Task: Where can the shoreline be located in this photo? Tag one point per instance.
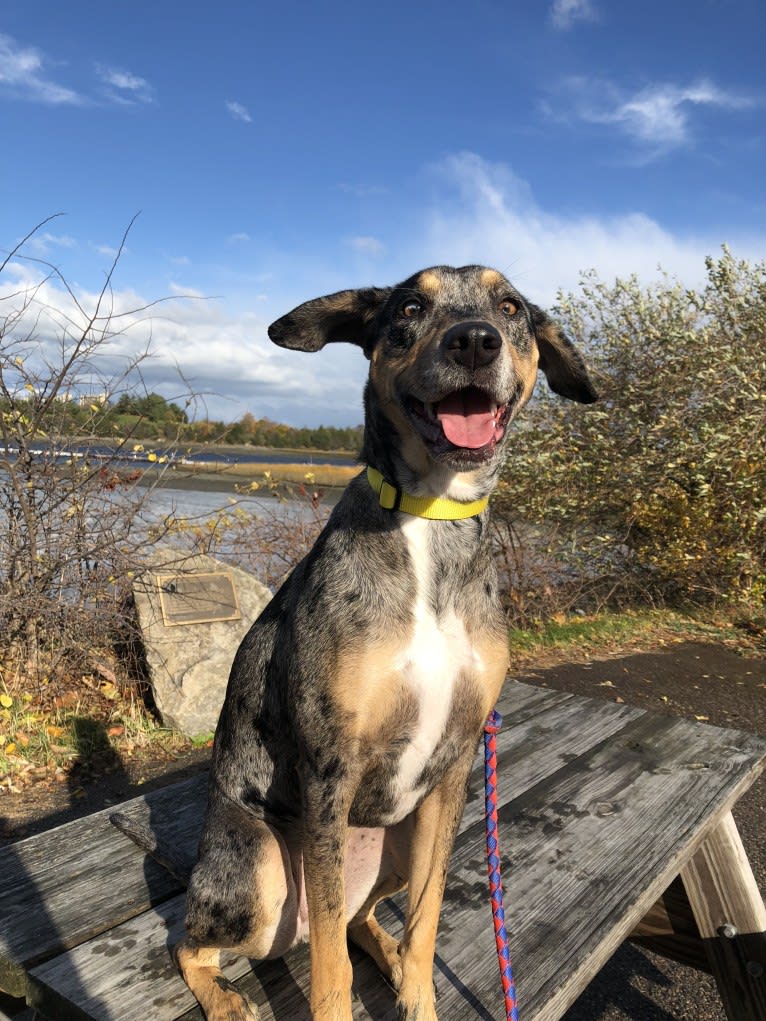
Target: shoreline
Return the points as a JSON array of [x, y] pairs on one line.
[[212, 476]]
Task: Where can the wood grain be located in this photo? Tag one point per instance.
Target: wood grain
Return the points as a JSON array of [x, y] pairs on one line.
[[601, 805], [731, 917], [62, 886]]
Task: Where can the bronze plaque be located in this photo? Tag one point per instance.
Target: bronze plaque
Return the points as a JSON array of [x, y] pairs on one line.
[[201, 598]]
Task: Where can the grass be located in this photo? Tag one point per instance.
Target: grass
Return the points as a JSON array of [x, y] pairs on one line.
[[91, 723], [628, 630]]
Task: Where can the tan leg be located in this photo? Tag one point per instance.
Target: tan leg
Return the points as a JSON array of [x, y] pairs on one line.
[[366, 932], [241, 897], [218, 997], [325, 834], [436, 823]]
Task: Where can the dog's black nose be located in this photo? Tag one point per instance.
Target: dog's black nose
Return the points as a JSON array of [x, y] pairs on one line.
[[472, 345]]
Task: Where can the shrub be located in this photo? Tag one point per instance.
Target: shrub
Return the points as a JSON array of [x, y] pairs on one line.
[[659, 490], [67, 539]]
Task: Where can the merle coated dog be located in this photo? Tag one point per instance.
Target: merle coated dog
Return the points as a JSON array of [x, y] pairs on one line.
[[356, 701]]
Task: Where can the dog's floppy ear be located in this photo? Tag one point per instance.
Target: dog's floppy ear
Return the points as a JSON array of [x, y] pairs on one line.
[[560, 360], [344, 316]]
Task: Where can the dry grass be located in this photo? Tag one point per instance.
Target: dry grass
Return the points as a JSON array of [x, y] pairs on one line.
[[320, 475], [92, 721]]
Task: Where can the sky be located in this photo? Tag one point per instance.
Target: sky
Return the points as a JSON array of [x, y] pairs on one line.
[[263, 154]]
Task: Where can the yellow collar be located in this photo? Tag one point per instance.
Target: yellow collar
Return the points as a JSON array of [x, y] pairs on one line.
[[435, 508]]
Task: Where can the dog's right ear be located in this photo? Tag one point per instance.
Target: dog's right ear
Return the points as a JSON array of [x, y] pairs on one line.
[[344, 316]]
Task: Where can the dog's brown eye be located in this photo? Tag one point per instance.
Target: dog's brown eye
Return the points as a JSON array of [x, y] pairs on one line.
[[508, 308], [411, 308]]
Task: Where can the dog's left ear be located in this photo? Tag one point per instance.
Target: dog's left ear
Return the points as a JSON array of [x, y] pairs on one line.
[[560, 360], [344, 316]]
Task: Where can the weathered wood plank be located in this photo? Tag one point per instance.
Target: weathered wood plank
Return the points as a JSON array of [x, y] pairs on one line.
[[534, 745], [591, 849], [591, 845], [543, 730], [62, 886], [669, 929], [730, 913], [50, 901]]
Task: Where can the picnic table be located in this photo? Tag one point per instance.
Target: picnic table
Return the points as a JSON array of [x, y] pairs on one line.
[[615, 823]]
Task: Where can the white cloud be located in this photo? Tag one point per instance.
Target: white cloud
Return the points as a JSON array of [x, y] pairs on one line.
[[481, 212], [107, 250], [43, 242], [238, 111], [489, 215], [658, 116], [22, 73], [179, 291], [225, 358], [564, 13], [123, 86], [367, 245], [239, 238]]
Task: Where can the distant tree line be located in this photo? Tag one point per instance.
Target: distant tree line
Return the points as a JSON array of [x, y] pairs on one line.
[[262, 432], [150, 416]]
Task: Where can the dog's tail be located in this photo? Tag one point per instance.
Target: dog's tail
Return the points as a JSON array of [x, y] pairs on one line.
[[178, 865]]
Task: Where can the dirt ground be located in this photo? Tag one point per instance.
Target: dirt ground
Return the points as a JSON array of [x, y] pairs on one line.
[[699, 681]]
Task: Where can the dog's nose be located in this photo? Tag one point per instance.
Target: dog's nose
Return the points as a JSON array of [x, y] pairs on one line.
[[472, 345]]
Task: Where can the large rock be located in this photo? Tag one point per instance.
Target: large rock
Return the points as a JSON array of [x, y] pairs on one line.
[[193, 612]]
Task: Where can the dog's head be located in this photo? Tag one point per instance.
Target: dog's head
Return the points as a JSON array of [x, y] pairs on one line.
[[454, 356]]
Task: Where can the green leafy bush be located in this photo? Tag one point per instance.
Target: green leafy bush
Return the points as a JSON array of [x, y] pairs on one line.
[[660, 488]]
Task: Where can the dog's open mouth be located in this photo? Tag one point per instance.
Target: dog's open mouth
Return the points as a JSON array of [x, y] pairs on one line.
[[468, 420]]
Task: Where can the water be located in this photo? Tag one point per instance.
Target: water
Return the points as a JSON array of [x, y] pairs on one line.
[[136, 454]]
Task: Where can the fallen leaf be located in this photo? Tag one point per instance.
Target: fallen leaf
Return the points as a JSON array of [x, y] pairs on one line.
[[115, 731], [702, 719], [6, 701], [605, 684]]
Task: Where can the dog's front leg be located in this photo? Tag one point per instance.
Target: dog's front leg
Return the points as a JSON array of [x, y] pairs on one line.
[[436, 823], [326, 807]]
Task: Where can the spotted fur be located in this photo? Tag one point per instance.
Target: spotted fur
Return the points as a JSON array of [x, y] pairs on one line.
[[356, 701]]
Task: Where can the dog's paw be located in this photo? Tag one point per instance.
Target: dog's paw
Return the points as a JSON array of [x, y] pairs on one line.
[[416, 1003], [229, 1004]]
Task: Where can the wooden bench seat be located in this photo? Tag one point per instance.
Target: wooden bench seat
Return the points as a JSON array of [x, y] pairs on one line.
[[603, 808]]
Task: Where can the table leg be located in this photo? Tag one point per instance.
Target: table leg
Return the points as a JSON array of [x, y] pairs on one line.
[[731, 918]]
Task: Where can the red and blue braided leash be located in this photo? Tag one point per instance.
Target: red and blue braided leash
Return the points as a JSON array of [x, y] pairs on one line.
[[491, 727]]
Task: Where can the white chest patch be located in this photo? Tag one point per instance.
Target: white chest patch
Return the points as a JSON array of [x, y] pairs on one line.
[[438, 654]]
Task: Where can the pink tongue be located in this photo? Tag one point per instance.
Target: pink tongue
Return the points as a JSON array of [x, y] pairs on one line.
[[466, 419]]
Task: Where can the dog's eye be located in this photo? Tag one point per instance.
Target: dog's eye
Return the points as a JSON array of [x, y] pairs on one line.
[[508, 308], [410, 309]]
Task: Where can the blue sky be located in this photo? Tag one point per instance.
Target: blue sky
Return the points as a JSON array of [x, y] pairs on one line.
[[280, 151]]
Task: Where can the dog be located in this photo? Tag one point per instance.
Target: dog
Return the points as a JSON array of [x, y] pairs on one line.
[[356, 701]]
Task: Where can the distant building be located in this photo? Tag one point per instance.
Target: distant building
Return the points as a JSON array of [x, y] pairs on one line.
[[85, 400]]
